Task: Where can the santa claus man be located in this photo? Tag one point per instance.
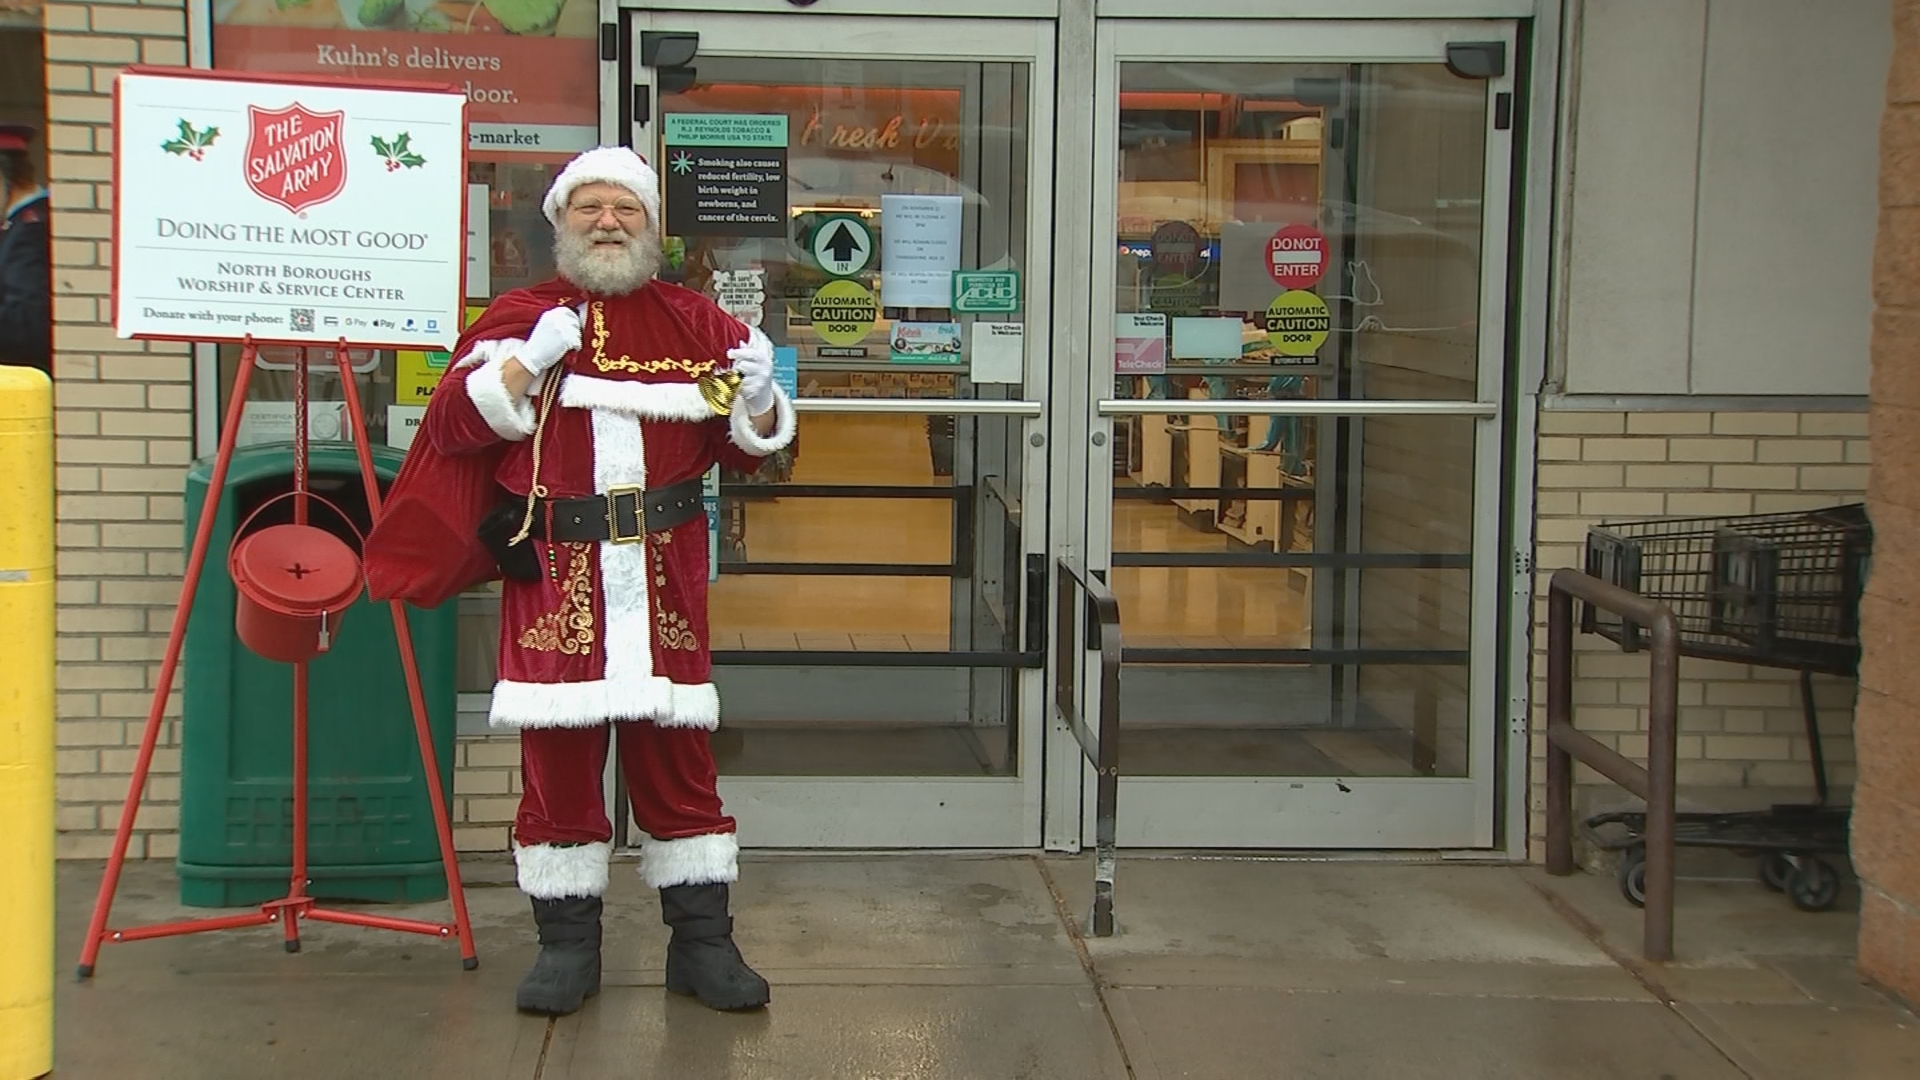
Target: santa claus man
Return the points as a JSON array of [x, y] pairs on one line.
[[562, 453]]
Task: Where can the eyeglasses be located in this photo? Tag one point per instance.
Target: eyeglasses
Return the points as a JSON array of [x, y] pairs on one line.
[[625, 210]]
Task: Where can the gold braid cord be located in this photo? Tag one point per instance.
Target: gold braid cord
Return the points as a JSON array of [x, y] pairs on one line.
[[536, 490]]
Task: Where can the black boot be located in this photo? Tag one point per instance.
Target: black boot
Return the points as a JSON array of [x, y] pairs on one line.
[[567, 971], [702, 959]]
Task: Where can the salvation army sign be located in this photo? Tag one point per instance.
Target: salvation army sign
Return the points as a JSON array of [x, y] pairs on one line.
[[288, 211], [293, 155]]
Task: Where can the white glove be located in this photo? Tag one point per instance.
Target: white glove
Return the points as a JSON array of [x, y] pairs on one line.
[[753, 362], [554, 336]]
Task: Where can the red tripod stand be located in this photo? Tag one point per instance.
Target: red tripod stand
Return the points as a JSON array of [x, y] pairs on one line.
[[296, 905]]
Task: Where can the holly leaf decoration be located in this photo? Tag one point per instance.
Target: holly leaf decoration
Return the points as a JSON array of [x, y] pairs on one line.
[[399, 152], [191, 142]]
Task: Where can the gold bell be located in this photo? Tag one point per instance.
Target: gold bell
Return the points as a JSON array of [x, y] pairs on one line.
[[718, 391]]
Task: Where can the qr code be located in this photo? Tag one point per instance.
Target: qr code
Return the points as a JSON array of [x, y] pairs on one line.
[[300, 320]]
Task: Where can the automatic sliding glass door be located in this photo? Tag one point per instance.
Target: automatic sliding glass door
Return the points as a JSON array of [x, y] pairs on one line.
[[876, 660], [1298, 350]]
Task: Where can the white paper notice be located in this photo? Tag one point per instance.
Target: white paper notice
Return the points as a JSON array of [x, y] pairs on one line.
[[479, 244], [742, 294], [919, 249], [1206, 339], [272, 421], [403, 423], [998, 351]]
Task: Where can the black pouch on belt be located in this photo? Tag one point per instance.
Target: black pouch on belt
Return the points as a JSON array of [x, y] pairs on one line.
[[518, 562]]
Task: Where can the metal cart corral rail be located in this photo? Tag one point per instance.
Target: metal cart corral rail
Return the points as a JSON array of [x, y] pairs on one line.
[[1771, 590]]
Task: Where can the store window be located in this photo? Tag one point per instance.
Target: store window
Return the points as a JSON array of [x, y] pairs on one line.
[[530, 71], [23, 72]]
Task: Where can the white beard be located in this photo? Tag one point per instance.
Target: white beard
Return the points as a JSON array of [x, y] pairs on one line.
[[604, 272]]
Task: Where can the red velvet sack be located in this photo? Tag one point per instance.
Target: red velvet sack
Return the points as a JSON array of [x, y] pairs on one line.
[[426, 549]]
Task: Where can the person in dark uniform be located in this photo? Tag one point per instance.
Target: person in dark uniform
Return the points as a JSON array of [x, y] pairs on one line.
[[26, 308]]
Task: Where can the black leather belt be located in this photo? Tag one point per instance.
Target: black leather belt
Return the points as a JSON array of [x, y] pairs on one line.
[[624, 515]]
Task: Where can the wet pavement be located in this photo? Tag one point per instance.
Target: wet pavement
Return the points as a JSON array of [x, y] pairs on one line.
[[915, 966]]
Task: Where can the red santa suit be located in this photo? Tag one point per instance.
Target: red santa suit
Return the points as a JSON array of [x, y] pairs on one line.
[[613, 634]]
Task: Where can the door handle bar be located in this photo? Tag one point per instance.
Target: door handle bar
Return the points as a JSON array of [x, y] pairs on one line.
[[1285, 407], [920, 406]]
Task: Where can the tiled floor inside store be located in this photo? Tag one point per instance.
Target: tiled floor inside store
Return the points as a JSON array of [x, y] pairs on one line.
[[917, 966]]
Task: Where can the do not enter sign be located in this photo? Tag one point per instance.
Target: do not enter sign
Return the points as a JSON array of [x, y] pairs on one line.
[[1297, 256]]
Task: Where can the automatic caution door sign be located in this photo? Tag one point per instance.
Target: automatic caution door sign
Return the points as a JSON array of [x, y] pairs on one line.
[[1298, 323], [842, 312], [842, 245]]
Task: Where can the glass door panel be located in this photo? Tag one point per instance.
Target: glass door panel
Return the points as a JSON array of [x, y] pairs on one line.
[[876, 668], [1303, 327], [1260, 643]]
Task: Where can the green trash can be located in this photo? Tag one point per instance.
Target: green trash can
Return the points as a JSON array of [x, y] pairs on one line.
[[370, 822]]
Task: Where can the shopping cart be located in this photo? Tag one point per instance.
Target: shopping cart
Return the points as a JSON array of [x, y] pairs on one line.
[[1773, 590]]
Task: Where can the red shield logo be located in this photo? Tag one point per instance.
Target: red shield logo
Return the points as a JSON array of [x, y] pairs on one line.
[[296, 157]]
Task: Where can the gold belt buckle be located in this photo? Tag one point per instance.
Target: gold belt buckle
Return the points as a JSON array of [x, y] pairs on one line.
[[639, 514]]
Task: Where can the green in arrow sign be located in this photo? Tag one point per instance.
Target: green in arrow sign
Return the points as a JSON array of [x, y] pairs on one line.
[[985, 291], [842, 245]]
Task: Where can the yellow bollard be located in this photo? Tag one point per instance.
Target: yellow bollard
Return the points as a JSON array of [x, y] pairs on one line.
[[26, 723]]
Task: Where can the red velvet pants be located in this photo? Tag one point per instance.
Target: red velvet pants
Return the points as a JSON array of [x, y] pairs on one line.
[[670, 778]]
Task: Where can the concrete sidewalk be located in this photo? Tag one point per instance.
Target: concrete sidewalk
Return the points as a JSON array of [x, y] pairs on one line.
[[969, 967]]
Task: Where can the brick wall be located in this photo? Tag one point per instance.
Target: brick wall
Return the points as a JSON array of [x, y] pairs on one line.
[[486, 791], [1886, 821], [1742, 741], [123, 420]]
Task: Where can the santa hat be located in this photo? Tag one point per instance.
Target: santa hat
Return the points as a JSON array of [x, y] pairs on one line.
[[606, 165]]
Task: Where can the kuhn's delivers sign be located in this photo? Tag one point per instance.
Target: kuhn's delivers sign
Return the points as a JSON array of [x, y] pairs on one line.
[[298, 212]]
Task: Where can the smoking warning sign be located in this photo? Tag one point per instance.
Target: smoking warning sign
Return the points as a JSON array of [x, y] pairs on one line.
[[1297, 256], [1298, 323], [292, 212]]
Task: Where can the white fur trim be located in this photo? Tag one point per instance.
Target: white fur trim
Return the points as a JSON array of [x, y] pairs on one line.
[[512, 418], [489, 349], [649, 401], [692, 860], [666, 703], [740, 427], [606, 165], [553, 872], [626, 571]]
